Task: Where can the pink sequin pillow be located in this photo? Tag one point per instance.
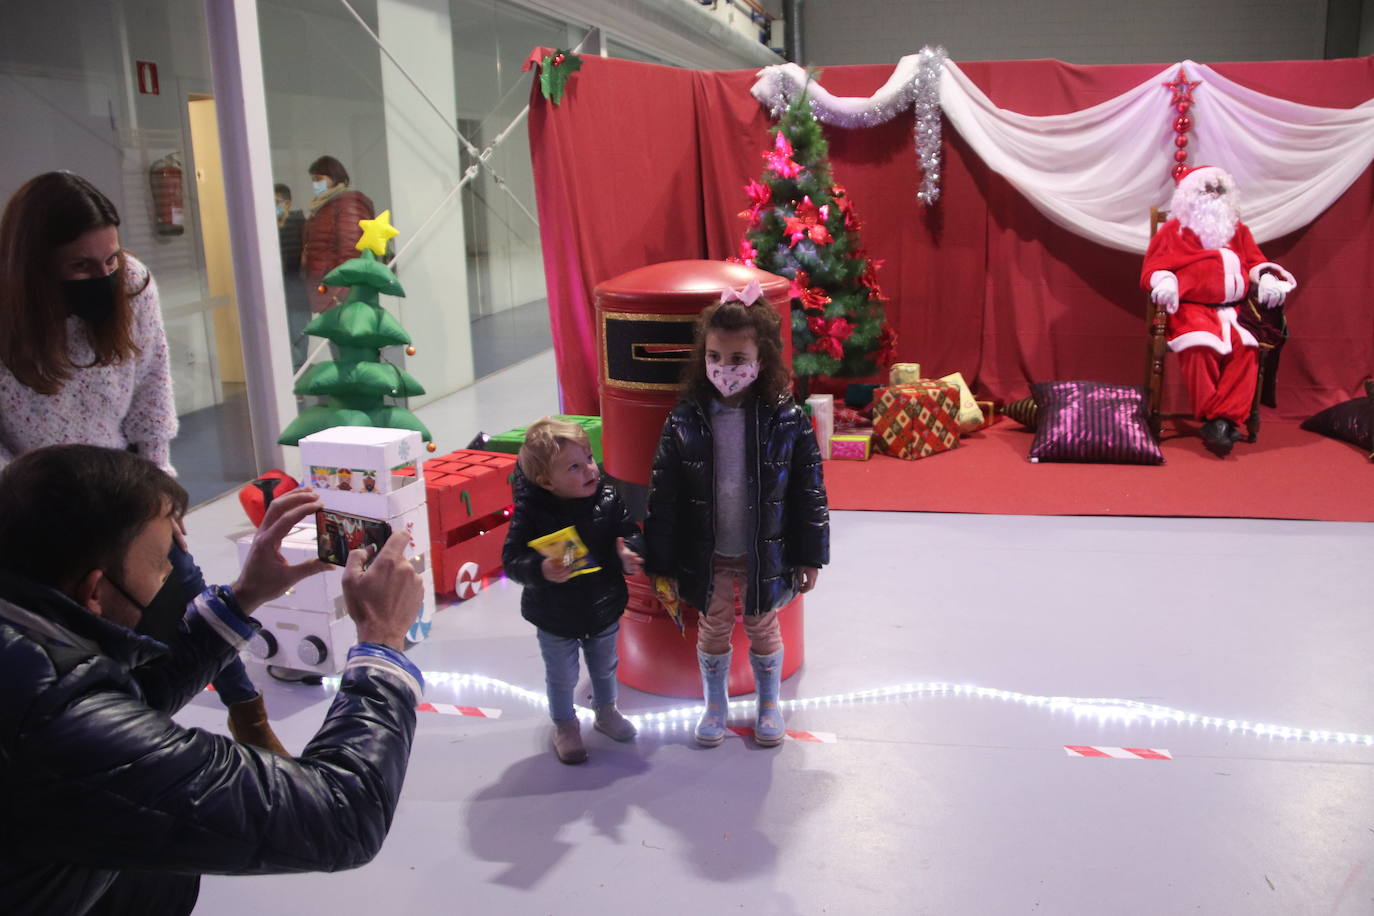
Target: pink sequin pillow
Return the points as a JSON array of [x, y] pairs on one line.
[[1093, 422]]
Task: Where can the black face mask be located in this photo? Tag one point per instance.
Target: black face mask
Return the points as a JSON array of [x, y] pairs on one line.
[[92, 299], [161, 617]]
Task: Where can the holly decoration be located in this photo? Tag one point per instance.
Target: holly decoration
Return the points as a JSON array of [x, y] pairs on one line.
[[554, 71], [355, 385], [801, 225]]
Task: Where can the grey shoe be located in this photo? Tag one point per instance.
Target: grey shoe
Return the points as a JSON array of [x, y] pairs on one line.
[[611, 723], [567, 741]]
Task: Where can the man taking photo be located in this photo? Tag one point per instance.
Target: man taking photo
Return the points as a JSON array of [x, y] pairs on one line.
[[108, 805]]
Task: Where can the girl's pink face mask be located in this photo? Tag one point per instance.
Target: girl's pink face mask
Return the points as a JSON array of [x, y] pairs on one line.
[[730, 380]]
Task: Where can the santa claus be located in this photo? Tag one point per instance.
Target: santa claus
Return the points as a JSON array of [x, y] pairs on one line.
[[1200, 266]]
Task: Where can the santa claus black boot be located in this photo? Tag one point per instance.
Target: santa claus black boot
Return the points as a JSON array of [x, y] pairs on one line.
[[1216, 436]]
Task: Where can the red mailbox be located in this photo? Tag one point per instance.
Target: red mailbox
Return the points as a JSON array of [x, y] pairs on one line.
[[645, 321]]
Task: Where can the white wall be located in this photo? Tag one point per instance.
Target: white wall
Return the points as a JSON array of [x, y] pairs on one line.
[[68, 101], [1078, 31]]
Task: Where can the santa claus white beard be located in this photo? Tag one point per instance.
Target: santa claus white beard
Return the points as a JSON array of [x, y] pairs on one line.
[[1212, 218]]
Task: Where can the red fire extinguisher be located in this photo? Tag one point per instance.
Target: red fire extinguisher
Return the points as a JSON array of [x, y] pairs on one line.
[[169, 215]]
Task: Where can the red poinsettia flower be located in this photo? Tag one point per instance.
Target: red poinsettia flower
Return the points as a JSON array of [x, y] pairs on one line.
[[869, 280], [747, 253], [760, 196], [809, 222], [779, 160], [813, 298], [887, 346], [830, 335]]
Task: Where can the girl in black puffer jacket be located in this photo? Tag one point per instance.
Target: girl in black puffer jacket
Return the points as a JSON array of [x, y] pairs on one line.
[[737, 502], [575, 602]]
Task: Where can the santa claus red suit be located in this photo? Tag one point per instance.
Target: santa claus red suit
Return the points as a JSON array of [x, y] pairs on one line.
[[1200, 266]]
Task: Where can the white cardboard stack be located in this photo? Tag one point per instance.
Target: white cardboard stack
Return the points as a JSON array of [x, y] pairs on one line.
[[354, 469]]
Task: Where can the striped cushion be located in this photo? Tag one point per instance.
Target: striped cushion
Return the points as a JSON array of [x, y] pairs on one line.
[[1092, 421]]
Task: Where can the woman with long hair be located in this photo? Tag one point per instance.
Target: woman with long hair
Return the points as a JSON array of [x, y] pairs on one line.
[[83, 359]]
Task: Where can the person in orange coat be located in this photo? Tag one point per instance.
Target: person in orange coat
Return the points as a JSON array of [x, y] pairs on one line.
[[331, 229], [1200, 265]]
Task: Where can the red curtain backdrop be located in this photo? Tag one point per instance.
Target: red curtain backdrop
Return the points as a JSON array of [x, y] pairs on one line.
[[641, 163]]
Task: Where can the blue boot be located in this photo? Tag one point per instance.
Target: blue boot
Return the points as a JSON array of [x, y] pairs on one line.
[[768, 724], [715, 671]]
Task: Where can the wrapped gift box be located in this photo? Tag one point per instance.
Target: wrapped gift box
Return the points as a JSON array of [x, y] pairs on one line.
[[850, 446], [822, 408], [989, 409], [904, 373], [969, 416], [914, 421]]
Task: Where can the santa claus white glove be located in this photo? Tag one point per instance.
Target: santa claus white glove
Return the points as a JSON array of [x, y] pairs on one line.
[[1165, 292], [1271, 291]]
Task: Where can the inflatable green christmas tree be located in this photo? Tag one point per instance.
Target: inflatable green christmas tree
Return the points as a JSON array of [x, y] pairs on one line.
[[356, 384]]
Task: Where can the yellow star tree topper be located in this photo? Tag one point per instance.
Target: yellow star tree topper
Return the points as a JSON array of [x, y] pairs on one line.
[[376, 233]]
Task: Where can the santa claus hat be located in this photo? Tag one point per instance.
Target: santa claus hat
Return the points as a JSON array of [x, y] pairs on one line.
[[1199, 175]]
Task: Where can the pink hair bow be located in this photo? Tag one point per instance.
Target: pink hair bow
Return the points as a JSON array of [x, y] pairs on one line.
[[746, 297]]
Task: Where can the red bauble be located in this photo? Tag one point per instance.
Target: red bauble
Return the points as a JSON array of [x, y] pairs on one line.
[[1183, 125], [1181, 155], [1179, 170], [1182, 107], [321, 289], [1181, 141], [558, 60]]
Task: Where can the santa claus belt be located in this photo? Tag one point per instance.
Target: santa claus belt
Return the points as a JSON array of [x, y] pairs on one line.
[[1215, 305]]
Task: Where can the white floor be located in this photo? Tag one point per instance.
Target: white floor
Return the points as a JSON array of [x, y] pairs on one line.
[[928, 801]]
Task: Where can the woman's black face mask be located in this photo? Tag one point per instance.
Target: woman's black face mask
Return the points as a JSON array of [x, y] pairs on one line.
[[92, 299]]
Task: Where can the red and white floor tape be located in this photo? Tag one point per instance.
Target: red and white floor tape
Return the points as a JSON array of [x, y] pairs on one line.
[[1117, 753], [448, 709], [745, 731]]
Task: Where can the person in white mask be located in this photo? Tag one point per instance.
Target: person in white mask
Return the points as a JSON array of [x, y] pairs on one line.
[[737, 503]]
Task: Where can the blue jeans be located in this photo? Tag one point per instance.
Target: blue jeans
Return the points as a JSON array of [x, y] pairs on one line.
[[232, 684], [560, 669]]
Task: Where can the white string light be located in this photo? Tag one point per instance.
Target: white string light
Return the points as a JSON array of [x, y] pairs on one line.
[[1103, 709]]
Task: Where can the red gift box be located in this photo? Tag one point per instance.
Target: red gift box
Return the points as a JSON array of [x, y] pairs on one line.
[[916, 420]]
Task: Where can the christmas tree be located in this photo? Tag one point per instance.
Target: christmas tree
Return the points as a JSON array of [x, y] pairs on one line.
[[355, 384], [803, 226]]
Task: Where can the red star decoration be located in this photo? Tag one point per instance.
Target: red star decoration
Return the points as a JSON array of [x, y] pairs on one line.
[[1182, 88]]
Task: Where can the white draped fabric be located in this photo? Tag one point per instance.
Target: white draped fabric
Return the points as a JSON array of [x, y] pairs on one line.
[[1097, 171]]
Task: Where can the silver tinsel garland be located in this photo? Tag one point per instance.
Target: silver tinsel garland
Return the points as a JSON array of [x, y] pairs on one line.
[[927, 131], [919, 89]]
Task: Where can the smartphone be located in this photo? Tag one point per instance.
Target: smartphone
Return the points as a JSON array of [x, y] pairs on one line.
[[338, 533]]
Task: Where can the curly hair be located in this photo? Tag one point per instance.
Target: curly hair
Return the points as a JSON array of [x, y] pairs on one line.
[[775, 377]]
